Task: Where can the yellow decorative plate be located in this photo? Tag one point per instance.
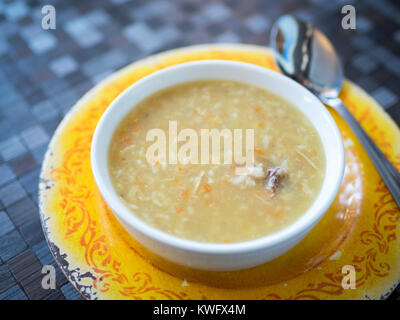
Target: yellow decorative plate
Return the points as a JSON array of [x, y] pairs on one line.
[[102, 261]]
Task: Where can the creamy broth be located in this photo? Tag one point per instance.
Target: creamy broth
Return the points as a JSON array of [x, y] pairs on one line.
[[210, 202]]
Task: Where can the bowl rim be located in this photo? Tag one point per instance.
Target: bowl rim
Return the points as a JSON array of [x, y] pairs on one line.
[[298, 228]]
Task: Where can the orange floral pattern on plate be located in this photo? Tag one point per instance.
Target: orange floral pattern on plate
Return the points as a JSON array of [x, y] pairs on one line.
[[103, 262]]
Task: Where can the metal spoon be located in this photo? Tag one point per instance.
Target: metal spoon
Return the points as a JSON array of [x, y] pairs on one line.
[[306, 55]]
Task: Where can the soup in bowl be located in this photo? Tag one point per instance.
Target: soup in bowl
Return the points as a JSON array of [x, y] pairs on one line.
[[217, 165]]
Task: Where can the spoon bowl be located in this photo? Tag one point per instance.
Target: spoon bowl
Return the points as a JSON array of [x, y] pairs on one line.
[[306, 55]]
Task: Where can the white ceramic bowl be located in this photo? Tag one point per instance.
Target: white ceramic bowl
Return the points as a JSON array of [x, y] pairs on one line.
[[215, 256]]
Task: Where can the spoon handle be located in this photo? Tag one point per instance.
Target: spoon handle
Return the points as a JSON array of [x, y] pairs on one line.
[[388, 172]]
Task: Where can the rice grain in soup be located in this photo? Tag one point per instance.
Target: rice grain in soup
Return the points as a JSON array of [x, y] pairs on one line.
[[210, 202]]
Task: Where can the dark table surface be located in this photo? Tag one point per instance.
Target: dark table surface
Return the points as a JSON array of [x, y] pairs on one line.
[[44, 72]]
